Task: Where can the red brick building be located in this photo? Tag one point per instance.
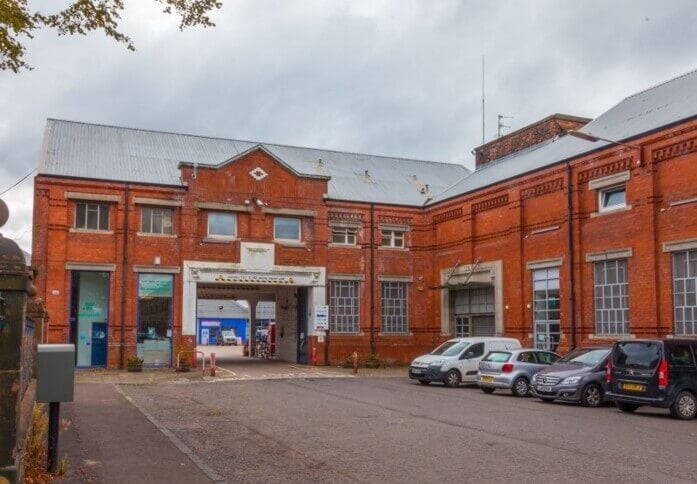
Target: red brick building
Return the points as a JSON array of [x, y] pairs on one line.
[[555, 240]]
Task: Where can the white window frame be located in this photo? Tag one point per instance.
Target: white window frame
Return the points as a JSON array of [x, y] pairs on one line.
[[395, 236], [346, 233], [390, 322], [163, 210], [99, 207], [222, 236], [684, 297], [605, 190], [300, 229], [614, 296], [345, 311]]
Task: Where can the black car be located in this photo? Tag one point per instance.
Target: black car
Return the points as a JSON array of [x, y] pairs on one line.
[[656, 373], [577, 377]]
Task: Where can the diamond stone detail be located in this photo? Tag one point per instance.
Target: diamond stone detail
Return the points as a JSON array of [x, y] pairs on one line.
[[258, 173]]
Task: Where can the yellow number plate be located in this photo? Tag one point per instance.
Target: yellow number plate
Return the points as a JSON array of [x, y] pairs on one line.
[[632, 387], [488, 379]]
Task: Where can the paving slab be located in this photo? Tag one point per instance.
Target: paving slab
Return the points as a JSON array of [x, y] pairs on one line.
[[108, 439]]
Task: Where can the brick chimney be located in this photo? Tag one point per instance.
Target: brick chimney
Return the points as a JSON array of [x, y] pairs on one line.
[[532, 134]]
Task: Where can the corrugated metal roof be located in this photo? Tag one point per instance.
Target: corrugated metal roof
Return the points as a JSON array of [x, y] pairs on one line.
[[666, 103], [124, 154]]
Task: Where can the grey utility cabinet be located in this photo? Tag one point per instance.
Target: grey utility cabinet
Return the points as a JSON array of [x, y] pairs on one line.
[[55, 379]]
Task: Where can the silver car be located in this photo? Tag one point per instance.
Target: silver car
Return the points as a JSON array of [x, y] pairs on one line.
[[512, 370]]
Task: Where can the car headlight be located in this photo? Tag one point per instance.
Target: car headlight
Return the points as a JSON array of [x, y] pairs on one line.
[[437, 363], [534, 378], [572, 380]]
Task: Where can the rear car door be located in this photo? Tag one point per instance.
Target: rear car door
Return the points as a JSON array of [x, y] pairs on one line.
[[528, 363], [681, 366]]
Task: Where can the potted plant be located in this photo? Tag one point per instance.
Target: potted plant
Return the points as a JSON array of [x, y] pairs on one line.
[[134, 364], [347, 362], [184, 365], [372, 361]]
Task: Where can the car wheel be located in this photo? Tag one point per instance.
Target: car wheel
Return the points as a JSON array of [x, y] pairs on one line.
[[452, 378], [591, 396], [424, 382], [487, 389], [684, 407], [520, 387], [626, 407]]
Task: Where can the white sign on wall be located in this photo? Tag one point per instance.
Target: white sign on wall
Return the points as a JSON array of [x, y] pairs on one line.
[[322, 317]]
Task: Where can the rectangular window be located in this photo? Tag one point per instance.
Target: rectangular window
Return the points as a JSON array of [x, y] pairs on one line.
[[612, 198], [344, 307], [611, 297], [156, 220], [344, 236], [393, 238], [155, 315], [221, 224], [395, 315], [286, 228], [462, 326], [91, 216], [475, 300], [546, 316], [685, 292], [89, 317]]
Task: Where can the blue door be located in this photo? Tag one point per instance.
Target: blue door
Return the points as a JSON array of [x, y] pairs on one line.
[[99, 344]]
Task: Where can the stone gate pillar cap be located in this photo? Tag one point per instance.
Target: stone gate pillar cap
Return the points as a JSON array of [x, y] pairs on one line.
[[4, 213]]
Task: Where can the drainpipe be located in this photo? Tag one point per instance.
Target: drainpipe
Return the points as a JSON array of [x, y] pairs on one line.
[[124, 280], [569, 215], [372, 278]]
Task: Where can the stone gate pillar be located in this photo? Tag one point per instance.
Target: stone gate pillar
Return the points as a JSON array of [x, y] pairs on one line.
[[16, 356]]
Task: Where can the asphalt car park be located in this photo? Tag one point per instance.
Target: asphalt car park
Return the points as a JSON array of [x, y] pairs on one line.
[[396, 430]]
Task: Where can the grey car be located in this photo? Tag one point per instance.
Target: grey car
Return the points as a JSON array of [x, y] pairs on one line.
[[578, 377], [512, 370]]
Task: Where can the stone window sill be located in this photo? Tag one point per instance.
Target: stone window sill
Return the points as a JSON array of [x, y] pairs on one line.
[[290, 243], [393, 249], [401, 335], [219, 240], [73, 230], [611, 211], [344, 246], [164, 236]]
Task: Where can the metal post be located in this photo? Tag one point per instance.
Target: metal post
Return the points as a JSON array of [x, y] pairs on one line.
[[53, 420]]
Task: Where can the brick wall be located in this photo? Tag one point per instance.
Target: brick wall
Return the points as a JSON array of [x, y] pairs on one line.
[[515, 222], [547, 128]]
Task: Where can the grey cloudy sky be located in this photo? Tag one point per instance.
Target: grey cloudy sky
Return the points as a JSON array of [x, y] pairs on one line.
[[393, 77]]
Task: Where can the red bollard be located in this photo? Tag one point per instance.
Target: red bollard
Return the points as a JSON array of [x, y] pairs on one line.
[[314, 356], [212, 364]]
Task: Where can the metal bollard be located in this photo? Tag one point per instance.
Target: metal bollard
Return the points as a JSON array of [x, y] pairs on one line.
[[355, 361], [212, 364]]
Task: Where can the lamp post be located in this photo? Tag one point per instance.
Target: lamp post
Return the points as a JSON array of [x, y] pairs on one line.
[[594, 139]]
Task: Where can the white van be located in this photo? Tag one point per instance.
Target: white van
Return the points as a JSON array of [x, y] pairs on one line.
[[457, 360]]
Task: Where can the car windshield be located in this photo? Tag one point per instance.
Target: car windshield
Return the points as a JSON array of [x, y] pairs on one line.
[[497, 357], [585, 356], [637, 354], [229, 333], [449, 348]]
